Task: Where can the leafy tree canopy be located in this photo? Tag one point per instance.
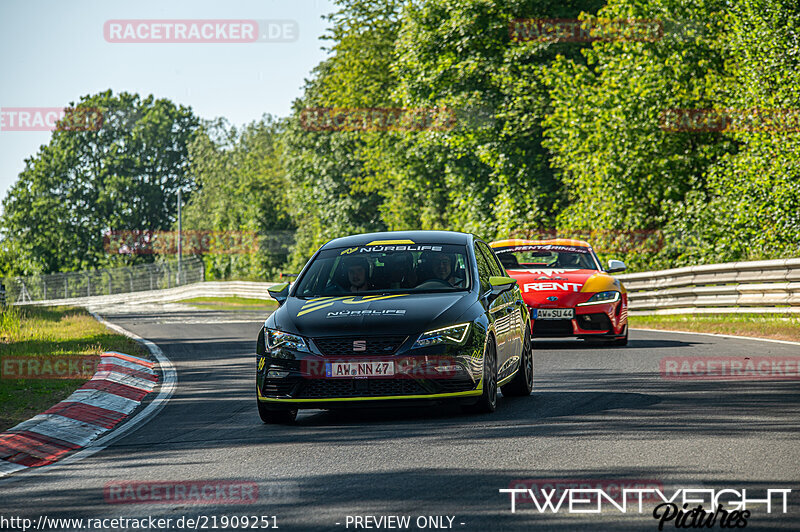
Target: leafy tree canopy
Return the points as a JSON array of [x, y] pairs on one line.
[[122, 175]]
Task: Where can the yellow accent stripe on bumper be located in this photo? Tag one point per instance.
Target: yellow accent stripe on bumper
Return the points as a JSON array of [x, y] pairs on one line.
[[379, 398]]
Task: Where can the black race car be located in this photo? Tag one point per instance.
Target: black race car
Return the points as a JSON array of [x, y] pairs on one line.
[[400, 317]]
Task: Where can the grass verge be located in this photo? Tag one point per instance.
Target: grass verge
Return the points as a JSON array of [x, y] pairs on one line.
[[49, 332], [772, 326], [230, 303]]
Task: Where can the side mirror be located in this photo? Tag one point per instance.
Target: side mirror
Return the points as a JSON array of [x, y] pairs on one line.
[[616, 266], [279, 292], [501, 284]]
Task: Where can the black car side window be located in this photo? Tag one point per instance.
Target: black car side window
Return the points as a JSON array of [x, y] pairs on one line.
[[484, 271], [494, 263]]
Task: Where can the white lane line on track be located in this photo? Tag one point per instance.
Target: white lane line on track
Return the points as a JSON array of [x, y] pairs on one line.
[[788, 342], [181, 321], [168, 384]]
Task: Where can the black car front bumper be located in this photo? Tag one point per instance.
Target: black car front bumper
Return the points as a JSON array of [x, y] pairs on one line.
[[298, 380]]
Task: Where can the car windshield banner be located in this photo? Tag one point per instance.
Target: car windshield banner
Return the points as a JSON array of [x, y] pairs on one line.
[[543, 247]]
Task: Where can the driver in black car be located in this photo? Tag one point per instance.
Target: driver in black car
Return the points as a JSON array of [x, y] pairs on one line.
[[442, 268]]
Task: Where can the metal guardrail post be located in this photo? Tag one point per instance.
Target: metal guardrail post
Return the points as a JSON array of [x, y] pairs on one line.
[[24, 296]]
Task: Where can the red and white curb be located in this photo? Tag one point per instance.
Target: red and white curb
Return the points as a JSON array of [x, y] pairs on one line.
[[117, 388]]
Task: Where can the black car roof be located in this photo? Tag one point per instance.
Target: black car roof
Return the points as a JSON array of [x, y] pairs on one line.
[[417, 237]]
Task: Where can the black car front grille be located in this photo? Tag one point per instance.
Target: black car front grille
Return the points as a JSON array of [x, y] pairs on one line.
[[333, 388], [359, 345], [552, 328]]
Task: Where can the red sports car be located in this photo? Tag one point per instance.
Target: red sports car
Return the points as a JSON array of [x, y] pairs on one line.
[[568, 291]]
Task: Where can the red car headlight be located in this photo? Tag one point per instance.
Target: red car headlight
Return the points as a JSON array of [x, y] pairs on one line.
[[602, 297]]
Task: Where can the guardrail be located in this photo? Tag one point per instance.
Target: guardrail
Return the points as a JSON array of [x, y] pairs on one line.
[[254, 290], [769, 286], [80, 285]]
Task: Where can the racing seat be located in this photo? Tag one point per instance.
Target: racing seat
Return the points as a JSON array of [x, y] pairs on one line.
[[461, 275], [380, 278], [571, 260]]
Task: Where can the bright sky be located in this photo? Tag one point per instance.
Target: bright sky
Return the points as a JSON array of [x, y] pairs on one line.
[[54, 51]]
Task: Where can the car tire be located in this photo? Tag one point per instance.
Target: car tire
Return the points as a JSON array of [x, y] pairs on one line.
[[522, 384], [488, 400], [276, 416]]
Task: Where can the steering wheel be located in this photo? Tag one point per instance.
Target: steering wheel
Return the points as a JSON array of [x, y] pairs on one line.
[[433, 283]]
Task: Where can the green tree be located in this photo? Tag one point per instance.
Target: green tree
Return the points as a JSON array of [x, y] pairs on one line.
[[329, 172], [122, 175], [623, 171], [242, 189], [492, 170], [752, 207]]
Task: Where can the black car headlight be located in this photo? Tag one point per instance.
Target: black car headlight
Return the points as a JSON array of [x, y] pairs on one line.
[[455, 334], [276, 339], [601, 297]]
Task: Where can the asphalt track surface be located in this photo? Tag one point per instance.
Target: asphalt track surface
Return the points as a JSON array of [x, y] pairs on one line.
[[598, 414]]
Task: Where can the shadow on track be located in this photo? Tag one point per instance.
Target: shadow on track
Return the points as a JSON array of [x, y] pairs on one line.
[[633, 343]]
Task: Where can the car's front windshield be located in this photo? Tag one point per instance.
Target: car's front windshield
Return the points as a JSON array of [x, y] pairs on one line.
[[531, 256], [386, 269]]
